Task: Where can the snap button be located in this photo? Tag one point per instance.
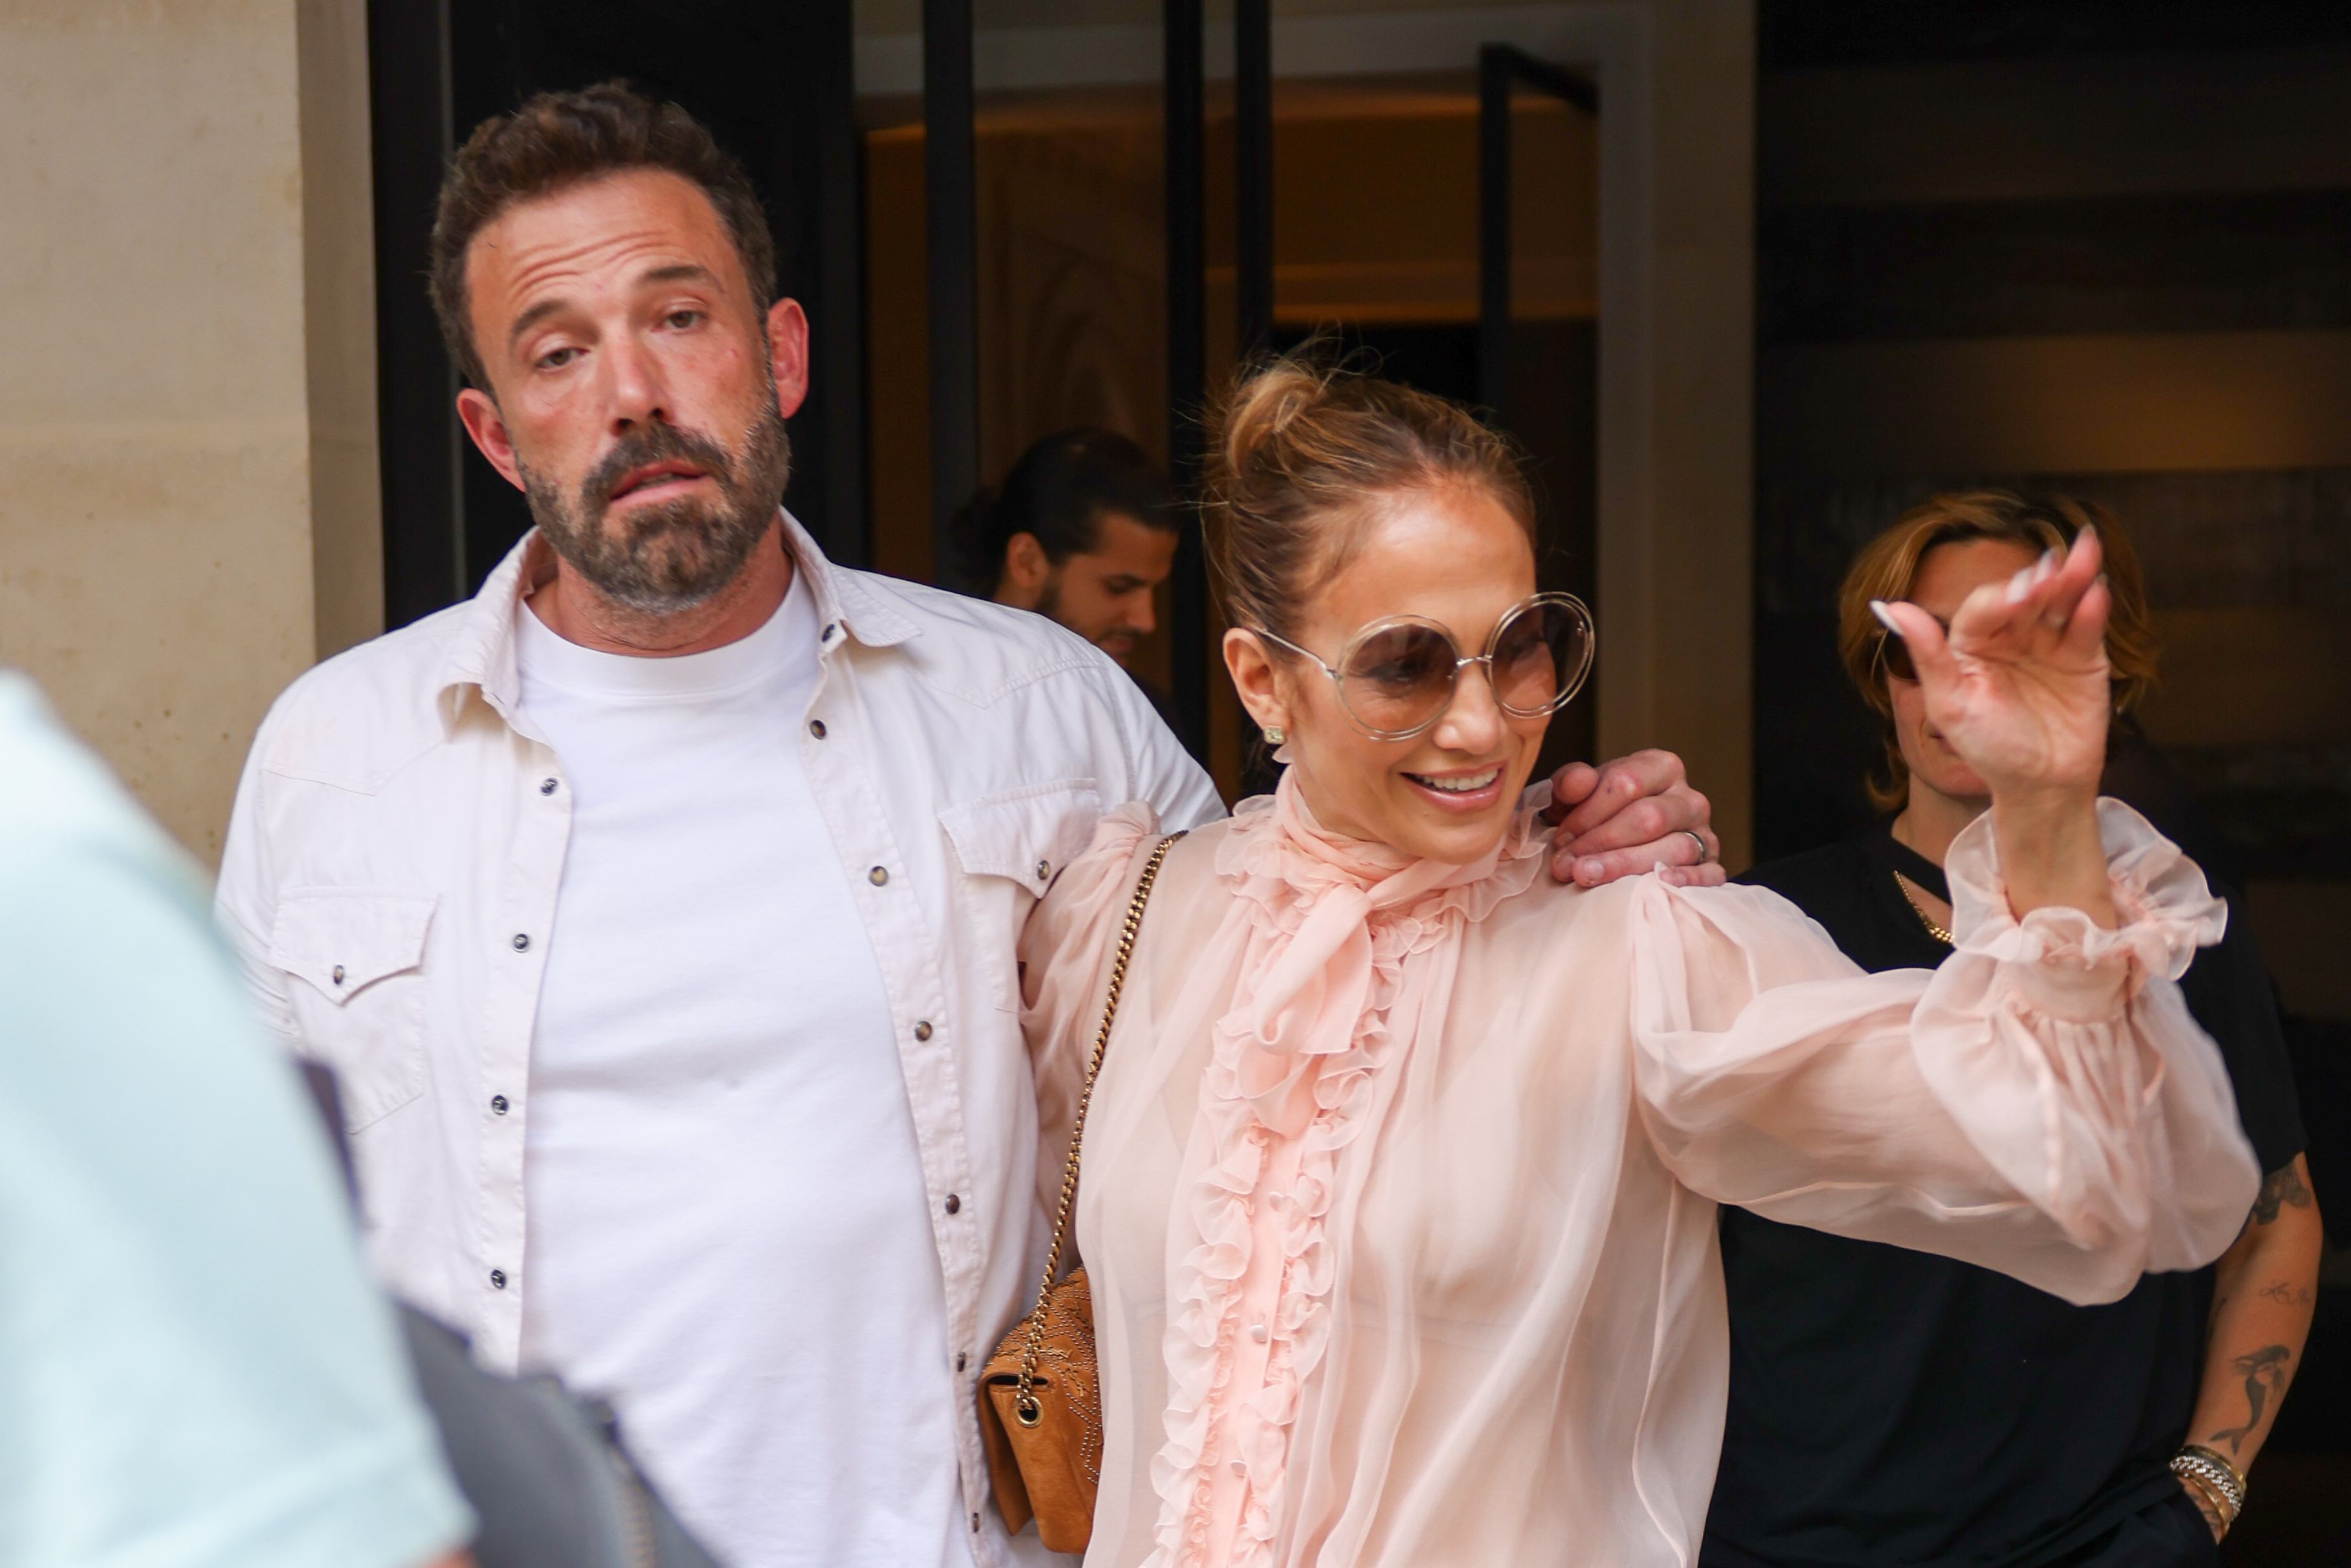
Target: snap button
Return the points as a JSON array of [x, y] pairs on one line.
[[1044, 869], [959, 1360], [816, 728], [498, 1279], [499, 1104], [923, 1030], [547, 787], [879, 874], [339, 974], [522, 942], [955, 1204]]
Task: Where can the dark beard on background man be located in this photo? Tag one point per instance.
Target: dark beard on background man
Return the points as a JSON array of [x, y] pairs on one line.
[[679, 553]]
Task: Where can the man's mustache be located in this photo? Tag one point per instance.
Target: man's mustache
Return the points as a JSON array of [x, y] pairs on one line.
[[656, 443]]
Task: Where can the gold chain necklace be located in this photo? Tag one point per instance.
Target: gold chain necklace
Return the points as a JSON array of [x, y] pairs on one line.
[[1940, 933]]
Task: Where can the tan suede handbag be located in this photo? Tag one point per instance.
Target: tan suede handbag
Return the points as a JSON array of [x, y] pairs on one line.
[[1041, 1393]]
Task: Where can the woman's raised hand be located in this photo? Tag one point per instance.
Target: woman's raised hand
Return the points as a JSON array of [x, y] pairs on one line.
[[2018, 687]]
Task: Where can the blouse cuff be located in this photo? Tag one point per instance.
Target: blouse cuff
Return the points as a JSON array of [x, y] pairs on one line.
[[2066, 965]]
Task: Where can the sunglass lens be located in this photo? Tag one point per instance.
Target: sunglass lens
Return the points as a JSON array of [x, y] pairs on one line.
[[1896, 653], [1540, 656], [1398, 678]]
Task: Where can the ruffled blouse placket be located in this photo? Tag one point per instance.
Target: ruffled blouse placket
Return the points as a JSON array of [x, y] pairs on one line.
[[1284, 1098]]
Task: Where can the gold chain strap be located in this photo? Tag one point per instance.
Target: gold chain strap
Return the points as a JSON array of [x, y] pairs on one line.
[[1024, 1408]]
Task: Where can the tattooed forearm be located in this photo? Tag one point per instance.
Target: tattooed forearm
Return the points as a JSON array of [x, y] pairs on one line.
[[2285, 1293], [2266, 1372], [2284, 1187]]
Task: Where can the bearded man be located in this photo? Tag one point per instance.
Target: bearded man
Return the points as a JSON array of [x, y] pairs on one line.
[[656, 906]]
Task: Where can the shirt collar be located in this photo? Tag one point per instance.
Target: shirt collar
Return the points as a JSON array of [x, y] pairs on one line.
[[481, 656]]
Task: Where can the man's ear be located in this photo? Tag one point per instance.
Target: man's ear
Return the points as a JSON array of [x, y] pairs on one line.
[[788, 354], [1254, 678], [483, 422], [1026, 570]]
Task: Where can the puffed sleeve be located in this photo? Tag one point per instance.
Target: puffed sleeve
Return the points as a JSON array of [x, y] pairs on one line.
[[2041, 1104], [1065, 958]]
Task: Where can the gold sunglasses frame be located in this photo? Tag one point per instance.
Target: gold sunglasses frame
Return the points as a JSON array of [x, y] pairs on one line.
[[1569, 687]]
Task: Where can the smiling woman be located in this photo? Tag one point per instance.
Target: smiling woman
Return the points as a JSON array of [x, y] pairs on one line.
[[1398, 1178], [1355, 516]]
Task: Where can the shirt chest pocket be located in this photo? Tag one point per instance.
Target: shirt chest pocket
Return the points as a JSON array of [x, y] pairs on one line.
[[1010, 846], [357, 957]]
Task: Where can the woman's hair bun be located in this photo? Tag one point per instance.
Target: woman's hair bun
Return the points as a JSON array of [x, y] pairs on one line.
[[1302, 446]]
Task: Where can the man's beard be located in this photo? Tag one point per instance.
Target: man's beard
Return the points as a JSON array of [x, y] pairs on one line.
[[677, 554]]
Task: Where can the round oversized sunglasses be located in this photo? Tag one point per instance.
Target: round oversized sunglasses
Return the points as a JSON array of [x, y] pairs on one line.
[[1396, 676]]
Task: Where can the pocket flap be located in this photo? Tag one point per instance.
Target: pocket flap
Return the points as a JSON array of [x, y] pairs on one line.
[[344, 939], [1026, 834]]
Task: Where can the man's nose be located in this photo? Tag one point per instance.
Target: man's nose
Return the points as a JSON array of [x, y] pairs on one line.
[[638, 392], [1138, 613]]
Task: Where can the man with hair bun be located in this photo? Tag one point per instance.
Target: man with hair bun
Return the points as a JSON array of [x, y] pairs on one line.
[[656, 906], [1082, 531]]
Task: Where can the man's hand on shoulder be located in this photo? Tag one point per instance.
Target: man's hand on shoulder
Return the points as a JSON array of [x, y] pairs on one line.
[[1626, 816]]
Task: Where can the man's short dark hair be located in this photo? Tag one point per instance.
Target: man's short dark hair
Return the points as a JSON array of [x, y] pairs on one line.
[[1060, 490], [558, 140]]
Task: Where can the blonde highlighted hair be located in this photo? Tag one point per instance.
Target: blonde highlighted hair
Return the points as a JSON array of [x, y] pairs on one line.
[[1303, 449], [1888, 568]]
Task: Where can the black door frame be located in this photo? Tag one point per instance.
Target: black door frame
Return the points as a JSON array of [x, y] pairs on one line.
[[1501, 68]]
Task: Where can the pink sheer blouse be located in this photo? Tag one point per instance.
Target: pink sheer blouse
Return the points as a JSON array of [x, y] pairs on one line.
[[1399, 1180]]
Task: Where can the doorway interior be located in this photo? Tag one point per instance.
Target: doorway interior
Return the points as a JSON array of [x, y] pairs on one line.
[[1382, 200]]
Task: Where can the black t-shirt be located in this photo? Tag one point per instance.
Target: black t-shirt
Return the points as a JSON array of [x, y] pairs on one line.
[[1891, 1407]]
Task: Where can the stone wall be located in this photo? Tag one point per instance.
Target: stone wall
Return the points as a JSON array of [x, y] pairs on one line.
[[182, 529]]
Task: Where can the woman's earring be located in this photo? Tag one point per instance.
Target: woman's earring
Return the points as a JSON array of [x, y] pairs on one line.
[[1275, 735]]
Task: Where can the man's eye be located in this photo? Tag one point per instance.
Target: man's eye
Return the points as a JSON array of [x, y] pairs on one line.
[[555, 358], [682, 318]]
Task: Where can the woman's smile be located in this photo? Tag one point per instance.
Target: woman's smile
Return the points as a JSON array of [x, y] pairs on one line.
[[1466, 790]]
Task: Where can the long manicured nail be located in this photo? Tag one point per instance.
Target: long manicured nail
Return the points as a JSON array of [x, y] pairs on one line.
[[2019, 585], [1886, 617]]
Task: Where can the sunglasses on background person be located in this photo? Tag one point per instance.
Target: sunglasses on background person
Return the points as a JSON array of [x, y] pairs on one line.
[[1893, 654], [1396, 676]]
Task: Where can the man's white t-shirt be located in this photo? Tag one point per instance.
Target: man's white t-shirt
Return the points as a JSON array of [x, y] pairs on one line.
[[728, 1237]]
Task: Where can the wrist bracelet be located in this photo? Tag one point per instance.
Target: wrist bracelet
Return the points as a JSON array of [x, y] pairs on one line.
[[2228, 1467], [2208, 1502], [2215, 1477]]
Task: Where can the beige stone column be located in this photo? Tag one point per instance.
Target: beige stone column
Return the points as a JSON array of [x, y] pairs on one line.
[[1677, 404], [188, 499]]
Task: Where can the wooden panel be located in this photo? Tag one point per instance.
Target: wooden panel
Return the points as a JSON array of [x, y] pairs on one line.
[[2069, 404], [2304, 929], [1831, 32], [2112, 264], [2000, 130], [2240, 538], [2239, 676]]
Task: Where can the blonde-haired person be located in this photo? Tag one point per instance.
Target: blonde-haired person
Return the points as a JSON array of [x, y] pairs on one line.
[[1891, 1407], [1399, 1180]]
